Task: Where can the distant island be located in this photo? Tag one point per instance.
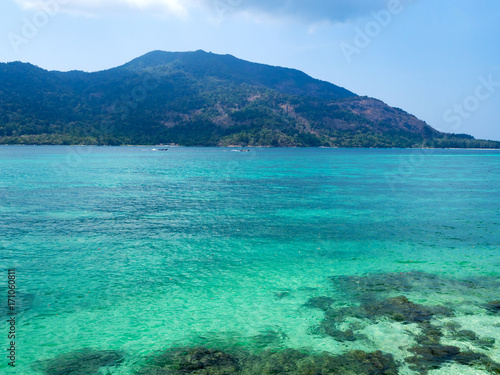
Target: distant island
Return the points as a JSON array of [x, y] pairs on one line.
[[201, 99]]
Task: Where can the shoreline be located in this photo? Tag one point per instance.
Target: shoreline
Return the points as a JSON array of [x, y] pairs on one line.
[[321, 147]]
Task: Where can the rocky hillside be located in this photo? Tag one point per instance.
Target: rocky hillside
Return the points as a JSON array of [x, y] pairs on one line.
[[201, 99]]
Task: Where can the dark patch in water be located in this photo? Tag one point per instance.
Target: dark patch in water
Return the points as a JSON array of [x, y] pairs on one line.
[[82, 362], [269, 338], [203, 361], [208, 361], [340, 335], [373, 295], [193, 361], [373, 285], [466, 335], [431, 354], [275, 362], [398, 309], [430, 335], [295, 362], [452, 325], [24, 301], [373, 300], [431, 357], [401, 309], [359, 286], [281, 295], [480, 360], [493, 307], [428, 358], [473, 338], [322, 303], [359, 362]]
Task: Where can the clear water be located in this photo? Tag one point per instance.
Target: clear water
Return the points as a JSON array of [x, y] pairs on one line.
[[138, 250]]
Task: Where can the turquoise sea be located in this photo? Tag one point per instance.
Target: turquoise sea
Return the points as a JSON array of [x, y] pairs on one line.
[[272, 261]]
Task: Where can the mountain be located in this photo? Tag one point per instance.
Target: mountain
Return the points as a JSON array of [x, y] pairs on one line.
[[201, 99]]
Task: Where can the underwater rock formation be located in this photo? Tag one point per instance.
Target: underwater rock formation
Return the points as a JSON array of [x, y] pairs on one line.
[[359, 286], [281, 295], [471, 337], [203, 361], [493, 306], [480, 360], [82, 362], [269, 338], [197, 360], [362, 363], [377, 284], [322, 303], [428, 358], [374, 298], [431, 357], [398, 309], [429, 335], [339, 334], [274, 362], [373, 301]]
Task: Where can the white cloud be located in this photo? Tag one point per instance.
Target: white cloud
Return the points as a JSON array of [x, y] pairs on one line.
[[179, 8], [315, 11], [312, 12]]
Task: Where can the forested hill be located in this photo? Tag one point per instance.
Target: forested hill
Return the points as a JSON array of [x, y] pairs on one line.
[[201, 99]]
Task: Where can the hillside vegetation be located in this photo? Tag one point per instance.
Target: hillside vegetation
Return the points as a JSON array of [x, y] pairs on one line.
[[201, 99]]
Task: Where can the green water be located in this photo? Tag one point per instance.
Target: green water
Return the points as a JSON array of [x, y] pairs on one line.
[[137, 250]]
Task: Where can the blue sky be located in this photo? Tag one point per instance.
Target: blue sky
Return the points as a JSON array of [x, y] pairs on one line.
[[438, 60]]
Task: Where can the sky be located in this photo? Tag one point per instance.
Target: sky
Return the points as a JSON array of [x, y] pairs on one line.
[[438, 60]]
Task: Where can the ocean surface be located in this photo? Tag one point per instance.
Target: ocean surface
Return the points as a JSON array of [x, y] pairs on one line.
[[122, 253]]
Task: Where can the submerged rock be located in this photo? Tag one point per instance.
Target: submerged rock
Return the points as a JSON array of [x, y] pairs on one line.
[[341, 335], [274, 362], [473, 338], [431, 357], [211, 361], [294, 362], [202, 361], [452, 325], [374, 295], [281, 295], [428, 358], [362, 363], [83, 362], [430, 335], [387, 282], [466, 335], [377, 284], [269, 338], [398, 309], [330, 325], [322, 303], [493, 306], [403, 310], [197, 360], [480, 360]]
